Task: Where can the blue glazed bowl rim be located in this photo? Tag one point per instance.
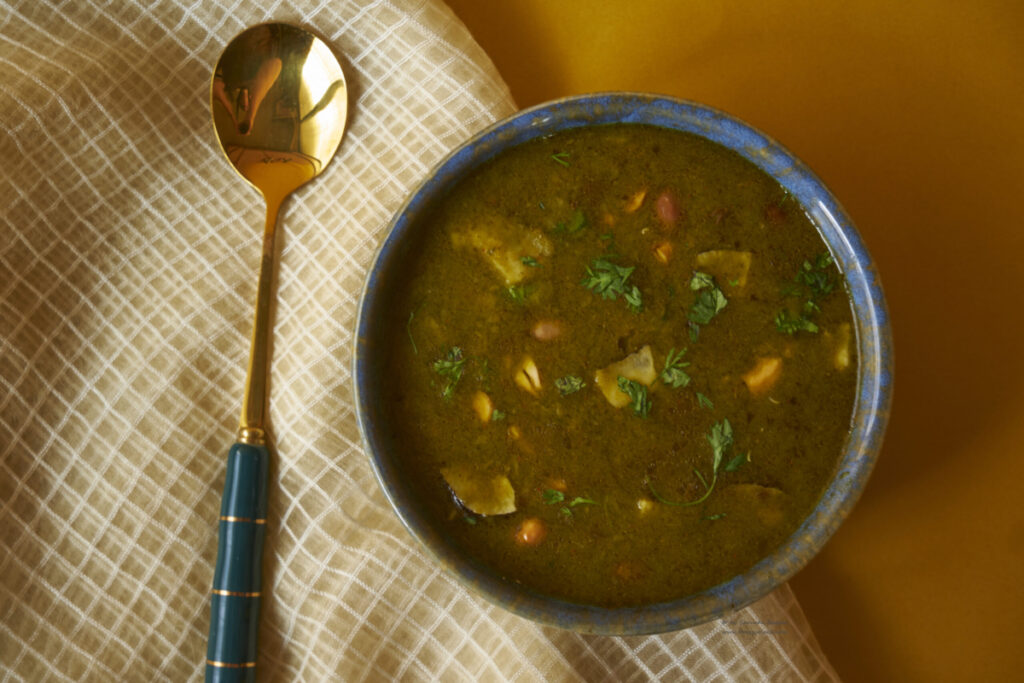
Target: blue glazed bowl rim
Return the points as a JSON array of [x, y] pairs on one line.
[[873, 334]]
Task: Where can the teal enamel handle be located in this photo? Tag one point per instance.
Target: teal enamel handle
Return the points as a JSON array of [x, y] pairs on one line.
[[235, 599]]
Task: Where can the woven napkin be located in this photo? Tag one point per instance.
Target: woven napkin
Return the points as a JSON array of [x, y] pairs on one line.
[[128, 255]]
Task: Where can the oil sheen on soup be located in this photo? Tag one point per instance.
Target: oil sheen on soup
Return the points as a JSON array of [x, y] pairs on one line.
[[622, 365]]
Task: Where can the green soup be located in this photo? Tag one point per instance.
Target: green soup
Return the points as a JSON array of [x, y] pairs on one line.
[[622, 366]]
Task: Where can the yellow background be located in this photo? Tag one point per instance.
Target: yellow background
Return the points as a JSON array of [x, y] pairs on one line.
[[912, 113]]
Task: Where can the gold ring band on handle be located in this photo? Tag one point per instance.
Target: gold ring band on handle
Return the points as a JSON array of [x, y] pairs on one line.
[[228, 518], [231, 665], [237, 594]]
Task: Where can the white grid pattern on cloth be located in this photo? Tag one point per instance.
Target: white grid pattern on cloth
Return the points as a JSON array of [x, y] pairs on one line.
[[127, 274]]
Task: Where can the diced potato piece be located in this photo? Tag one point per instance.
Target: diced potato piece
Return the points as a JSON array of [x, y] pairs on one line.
[[638, 367], [729, 267], [663, 252], [763, 375], [766, 502], [634, 201], [843, 339], [480, 493], [483, 406], [504, 246], [644, 505], [527, 376]]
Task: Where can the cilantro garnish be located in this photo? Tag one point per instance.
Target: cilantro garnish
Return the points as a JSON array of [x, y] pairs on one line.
[[637, 394], [569, 384], [530, 261], [673, 374], [518, 293], [710, 300], [817, 276], [561, 158], [813, 282], [610, 282], [720, 438], [789, 323], [451, 368], [554, 497]]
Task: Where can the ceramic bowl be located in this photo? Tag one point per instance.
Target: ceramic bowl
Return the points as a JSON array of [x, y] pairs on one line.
[[874, 346]]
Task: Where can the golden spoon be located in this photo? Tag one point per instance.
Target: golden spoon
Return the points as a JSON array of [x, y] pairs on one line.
[[279, 105]]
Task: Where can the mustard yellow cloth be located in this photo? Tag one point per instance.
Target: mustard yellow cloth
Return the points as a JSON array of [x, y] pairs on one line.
[[128, 255]]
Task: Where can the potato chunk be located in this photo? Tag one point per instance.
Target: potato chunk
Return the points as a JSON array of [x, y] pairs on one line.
[[638, 367], [480, 493], [527, 376], [763, 375], [634, 201], [841, 340], [726, 265], [663, 252], [483, 406], [504, 246]]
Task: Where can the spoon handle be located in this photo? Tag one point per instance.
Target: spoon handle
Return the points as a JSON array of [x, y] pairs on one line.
[[235, 600]]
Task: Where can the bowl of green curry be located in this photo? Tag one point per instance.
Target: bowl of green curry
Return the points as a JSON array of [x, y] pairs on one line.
[[623, 364]]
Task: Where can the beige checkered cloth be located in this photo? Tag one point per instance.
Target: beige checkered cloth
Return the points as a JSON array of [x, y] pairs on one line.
[[128, 252]]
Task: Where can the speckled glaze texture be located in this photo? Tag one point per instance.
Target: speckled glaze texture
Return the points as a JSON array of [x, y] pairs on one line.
[[874, 344]]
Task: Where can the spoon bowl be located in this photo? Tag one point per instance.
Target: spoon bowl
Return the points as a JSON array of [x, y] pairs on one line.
[[279, 104]]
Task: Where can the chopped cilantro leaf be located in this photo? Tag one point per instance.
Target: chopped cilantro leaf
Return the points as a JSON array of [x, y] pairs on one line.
[[709, 303], [451, 368], [552, 496], [637, 394], [530, 261], [569, 384], [701, 281], [788, 323], [737, 462], [710, 300], [518, 293], [609, 281], [813, 282], [720, 439], [561, 158], [673, 374]]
